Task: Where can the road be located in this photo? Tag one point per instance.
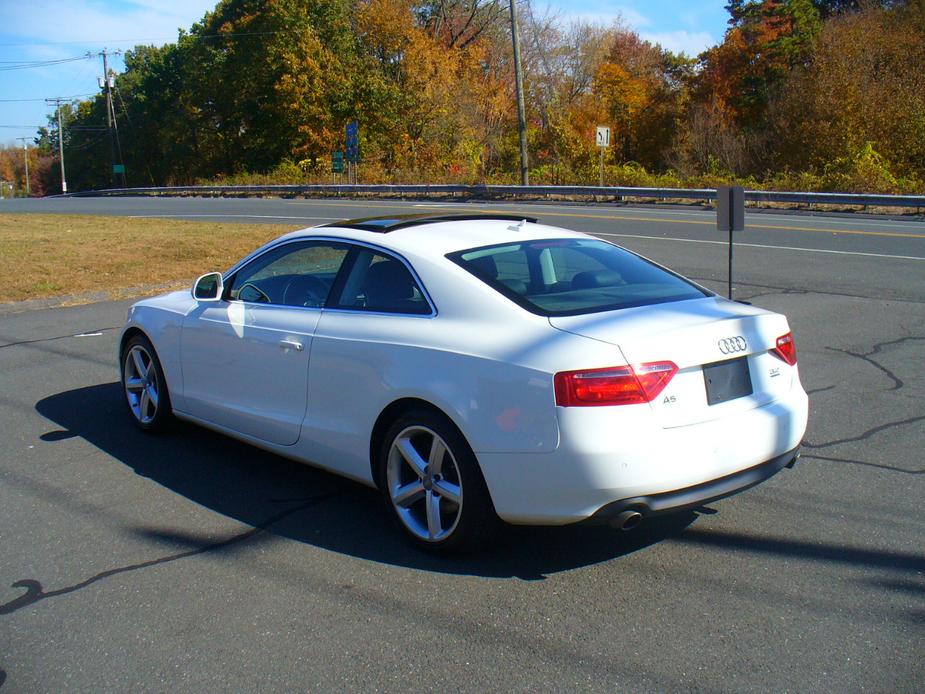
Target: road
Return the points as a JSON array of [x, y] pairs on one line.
[[192, 562]]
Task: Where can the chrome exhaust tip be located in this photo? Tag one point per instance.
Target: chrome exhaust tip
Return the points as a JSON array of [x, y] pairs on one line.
[[627, 520]]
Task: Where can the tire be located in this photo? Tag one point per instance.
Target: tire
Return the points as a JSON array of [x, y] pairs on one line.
[[144, 385], [439, 507]]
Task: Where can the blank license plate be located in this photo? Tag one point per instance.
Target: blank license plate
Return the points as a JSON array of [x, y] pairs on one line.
[[727, 380]]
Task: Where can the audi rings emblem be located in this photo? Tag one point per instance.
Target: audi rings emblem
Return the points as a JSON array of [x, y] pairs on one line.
[[731, 345]]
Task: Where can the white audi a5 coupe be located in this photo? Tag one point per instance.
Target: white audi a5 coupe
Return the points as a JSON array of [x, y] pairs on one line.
[[475, 368]]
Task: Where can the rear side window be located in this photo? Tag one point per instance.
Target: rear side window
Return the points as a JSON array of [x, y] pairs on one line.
[[565, 277], [380, 283]]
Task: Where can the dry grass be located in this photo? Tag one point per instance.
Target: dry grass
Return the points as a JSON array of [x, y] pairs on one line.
[[44, 256]]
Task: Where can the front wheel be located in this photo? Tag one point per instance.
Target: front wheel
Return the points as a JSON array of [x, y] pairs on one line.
[[432, 484], [144, 385]]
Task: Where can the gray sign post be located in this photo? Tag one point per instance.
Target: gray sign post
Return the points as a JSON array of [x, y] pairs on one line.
[[730, 216]]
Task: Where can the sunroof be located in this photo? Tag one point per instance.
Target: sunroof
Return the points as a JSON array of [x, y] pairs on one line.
[[388, 223]]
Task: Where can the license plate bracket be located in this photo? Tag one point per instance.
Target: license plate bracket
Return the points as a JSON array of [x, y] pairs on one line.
[[727, 380]]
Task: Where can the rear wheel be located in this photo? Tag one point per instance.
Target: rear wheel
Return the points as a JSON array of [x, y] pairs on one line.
[[144, 385], [432, 484]]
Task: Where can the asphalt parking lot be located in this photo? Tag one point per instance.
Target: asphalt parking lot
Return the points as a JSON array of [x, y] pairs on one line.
[[192, 562]]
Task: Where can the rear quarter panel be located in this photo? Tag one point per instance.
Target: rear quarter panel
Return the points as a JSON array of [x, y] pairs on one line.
[[493, 380]]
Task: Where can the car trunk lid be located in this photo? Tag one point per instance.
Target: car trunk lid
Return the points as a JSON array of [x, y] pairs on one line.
[[730, 339]]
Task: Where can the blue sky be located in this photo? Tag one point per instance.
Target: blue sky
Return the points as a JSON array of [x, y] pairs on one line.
[[67, 29]]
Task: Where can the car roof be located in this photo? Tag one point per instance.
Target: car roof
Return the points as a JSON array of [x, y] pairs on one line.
[[389, 223], [438, 235]]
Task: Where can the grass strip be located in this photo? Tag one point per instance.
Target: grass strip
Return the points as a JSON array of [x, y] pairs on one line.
[[49, 255]]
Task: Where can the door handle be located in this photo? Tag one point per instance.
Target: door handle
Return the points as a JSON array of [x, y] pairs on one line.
[[290, 344]]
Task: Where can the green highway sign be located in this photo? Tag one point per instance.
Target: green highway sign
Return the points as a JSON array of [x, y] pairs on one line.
[[118, 168], [337, 162]]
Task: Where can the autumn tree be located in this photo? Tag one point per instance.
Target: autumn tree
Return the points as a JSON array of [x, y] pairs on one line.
[[765, 40], [641, 85], [858, 108], [458, 23], [832, 88]]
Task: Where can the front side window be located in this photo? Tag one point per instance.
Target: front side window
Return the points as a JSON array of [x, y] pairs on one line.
[[296, 274], [565, 277], [380, 283]]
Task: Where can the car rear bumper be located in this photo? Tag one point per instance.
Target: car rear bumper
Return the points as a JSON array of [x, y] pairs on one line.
[[693, 497], [625, 456]]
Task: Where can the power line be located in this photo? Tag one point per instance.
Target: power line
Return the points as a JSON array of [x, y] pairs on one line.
[[86, 144], [73, 96], [195, 37], [39, 63], [124, 110]]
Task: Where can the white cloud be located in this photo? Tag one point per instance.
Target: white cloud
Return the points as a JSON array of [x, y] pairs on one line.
[[690, 42], [599, 13]]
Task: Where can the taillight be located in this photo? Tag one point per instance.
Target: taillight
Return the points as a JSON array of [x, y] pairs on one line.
[[786, 349], [618, 385]]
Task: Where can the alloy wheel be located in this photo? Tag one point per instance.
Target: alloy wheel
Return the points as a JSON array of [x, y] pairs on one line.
[[141, 386], [424, 484]]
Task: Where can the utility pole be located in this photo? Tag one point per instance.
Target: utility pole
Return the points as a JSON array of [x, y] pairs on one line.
[[521, 113], [57, 102], [25, 154], [107, 82]]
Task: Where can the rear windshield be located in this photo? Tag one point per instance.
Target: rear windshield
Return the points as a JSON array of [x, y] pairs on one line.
[[566, 277]]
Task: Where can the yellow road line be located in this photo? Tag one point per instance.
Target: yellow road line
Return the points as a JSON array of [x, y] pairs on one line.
[[579, 215]]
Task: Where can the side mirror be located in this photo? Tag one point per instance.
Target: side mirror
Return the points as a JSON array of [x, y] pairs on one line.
[[209, 287]]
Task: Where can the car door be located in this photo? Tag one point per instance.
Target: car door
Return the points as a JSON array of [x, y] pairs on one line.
[[245, 358], [365, 344]]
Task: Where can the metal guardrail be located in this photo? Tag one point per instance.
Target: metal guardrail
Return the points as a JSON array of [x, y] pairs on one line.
[[496, 191]]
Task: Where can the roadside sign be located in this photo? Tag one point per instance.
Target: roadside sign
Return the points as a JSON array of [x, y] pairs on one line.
[[730, 217], [730, 208], [118, 168], [337, 162], [603, 136], [353, 142]]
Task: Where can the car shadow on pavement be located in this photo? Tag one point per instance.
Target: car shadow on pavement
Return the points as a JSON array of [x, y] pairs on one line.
[[287, 499]]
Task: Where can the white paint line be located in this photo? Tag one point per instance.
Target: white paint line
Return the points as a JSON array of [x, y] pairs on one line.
[[755, 217], [758, 245], [222, 216], [88, 334]]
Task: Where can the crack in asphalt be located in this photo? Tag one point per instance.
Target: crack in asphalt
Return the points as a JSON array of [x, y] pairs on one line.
[[867, 434], [35, 592], [777, 290], [816, 391], [57, 337], [877, 349], [864, 463], [897, 384]]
